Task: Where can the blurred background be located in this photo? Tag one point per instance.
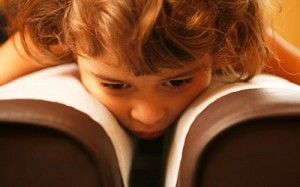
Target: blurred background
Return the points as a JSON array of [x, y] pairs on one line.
[[287, 20]]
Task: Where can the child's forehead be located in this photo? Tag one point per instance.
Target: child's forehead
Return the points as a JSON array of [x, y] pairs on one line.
[[111, 64]]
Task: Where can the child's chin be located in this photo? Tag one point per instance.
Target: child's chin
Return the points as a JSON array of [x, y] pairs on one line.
[[147, 135]]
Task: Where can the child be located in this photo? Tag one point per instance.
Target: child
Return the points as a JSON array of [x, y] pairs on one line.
[[146, 61]]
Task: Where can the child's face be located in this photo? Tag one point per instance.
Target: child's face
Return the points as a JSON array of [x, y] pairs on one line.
[[145, 105]]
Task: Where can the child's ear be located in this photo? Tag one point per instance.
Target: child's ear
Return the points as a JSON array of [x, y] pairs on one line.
[[58, 49]]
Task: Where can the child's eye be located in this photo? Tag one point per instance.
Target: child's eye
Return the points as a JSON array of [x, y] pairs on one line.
[[115, 86], [177, 82]]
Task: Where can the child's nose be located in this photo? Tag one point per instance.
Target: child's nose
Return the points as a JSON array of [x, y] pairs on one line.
[[148, 113]]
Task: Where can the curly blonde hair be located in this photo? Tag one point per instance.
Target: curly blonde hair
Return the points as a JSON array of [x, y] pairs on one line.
[[149, 35]]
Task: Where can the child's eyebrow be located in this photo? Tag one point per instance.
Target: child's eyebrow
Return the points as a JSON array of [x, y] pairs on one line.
[[189, 72], [104, 77]]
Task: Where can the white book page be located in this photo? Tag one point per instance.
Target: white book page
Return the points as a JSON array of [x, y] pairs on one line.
[[61, 84], [217, 90]]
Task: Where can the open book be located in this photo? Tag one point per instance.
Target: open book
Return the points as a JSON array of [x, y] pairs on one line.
[[62, 85], [221, 107]]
